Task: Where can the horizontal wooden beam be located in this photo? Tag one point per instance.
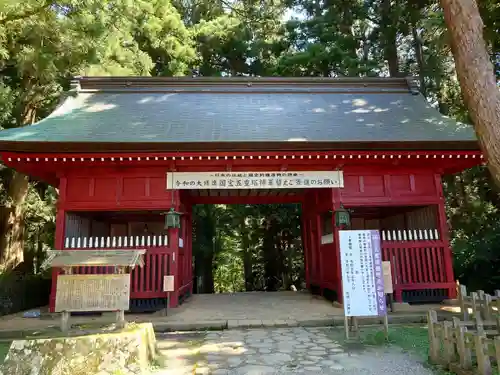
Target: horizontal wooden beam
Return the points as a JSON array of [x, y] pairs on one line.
[[387, 201], [249, 199], [112, 205], [423, 286]]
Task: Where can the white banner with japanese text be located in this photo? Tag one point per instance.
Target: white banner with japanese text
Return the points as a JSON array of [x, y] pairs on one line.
[[362, 276], [255, 180]]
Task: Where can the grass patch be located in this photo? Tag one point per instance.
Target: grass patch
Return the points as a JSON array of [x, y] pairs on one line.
[[4, 348], [411, 339]]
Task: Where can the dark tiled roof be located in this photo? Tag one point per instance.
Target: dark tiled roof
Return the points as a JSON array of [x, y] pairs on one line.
[[163, 111]]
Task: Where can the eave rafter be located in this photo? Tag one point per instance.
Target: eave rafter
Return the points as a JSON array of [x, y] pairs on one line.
[[49, 167], [289, 157]]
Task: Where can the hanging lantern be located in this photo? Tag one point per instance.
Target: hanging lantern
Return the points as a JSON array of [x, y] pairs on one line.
[[172, 219], [342, 217]]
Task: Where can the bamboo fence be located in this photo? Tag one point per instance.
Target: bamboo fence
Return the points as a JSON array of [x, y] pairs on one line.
[[478, 302], [471, 345]]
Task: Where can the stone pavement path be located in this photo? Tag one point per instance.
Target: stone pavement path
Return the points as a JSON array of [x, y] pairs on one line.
[[278, 351]]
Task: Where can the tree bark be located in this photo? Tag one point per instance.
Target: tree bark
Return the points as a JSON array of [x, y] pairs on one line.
[[389, 35], [247, 256], [476, 76], [12, 236], [419, 54], [12, 228]]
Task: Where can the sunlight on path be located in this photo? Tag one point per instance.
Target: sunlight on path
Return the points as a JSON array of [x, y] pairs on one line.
[[277, 351]]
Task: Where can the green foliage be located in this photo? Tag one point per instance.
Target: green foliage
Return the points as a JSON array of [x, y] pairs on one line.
[[19, 291], [253, 247], [4, 349], [473, 209], [42, 45], [39, 216]]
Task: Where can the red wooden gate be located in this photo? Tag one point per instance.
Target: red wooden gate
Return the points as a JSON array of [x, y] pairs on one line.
[[147, 281], [416, 265]]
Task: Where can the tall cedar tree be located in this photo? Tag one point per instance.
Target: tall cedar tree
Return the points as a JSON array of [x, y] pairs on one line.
[[476, 76]]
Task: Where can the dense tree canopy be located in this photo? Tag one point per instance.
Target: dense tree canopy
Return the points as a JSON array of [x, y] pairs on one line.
[[43, 43]]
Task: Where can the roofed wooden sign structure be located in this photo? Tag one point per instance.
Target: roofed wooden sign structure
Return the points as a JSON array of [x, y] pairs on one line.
[[123, 151], [93, 292], [94, 258]]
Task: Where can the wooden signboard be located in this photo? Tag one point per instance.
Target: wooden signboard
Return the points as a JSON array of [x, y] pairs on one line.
[[255, 180], [168, 283], [387, 272], [93, 292]]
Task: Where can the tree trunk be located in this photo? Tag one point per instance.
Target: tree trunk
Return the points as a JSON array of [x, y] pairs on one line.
[[12, 227], [476, 76], [389, 35], [12, 236], [247, 253], [39, 254], [204, 270], [247, 269], [490, 191], [419, 54]]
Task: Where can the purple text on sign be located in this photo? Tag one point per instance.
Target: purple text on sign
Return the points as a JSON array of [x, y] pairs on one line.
[[377, 268]]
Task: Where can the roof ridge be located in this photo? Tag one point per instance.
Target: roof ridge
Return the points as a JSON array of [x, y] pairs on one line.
[[99, 83]]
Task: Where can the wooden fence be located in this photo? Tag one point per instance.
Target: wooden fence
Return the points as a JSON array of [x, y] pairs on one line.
[[418, 263], [471, 345], [479, 302]]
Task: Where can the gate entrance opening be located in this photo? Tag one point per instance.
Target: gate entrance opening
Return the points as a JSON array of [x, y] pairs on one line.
[[247, 248]]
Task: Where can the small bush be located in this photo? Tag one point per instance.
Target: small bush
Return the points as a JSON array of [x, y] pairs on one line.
[[19, 292]]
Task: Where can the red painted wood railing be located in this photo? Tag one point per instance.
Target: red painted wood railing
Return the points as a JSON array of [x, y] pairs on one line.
[[417, 265], [419, 260], [145, 282]]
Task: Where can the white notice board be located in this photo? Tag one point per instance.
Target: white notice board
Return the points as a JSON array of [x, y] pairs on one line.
[[255, 180], [168, 283], [387, 272], [362, 278]]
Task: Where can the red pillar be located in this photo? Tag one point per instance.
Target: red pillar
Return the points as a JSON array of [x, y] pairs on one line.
[[173, 238], [338, 265], [311, 251], [321, 264], [305, 243], [173, 244], [444, 231], [58, 240], [187, 251], [313, 223], [189, 240]]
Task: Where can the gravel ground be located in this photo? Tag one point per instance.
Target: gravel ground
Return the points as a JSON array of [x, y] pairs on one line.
[[279, 351]]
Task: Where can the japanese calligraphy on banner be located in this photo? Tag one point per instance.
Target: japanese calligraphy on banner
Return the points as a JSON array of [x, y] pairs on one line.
[[255, 180], [362, 277]]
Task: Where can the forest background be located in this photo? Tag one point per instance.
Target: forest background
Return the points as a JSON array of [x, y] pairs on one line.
[[44, 43]]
